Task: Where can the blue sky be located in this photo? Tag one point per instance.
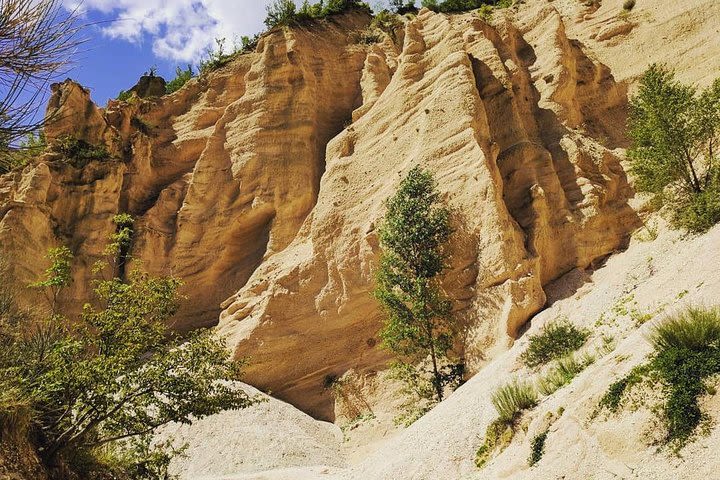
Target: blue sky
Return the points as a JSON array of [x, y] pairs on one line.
[[127, 37]]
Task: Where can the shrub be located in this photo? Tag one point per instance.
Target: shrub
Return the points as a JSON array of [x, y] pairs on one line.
[[701, 211], [563, 373], [79, 153], [386, 21], [125, 95], [674, 128], [498, 436], [686, 353], [401, 7], [12, 158], [628, 5], [281, 12], [181, 78], [285, 13], [538, 448], [557, 339], [512, 398], [450, 6], [217, 57]]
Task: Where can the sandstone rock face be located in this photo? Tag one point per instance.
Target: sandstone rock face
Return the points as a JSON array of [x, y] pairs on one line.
[[261, 185], [219, 175], [504, 125]]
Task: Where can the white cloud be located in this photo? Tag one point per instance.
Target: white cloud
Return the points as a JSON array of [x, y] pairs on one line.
[[180, 30]]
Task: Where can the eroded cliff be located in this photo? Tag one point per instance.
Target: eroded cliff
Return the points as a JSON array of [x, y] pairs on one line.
[[261, 184]]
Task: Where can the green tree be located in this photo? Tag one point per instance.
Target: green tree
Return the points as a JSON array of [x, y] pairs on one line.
[[675, 132], [106, 381], [57, 276], [419, 327]]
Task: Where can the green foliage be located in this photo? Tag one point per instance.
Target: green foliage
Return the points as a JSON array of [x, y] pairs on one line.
[[614, 396], [101, 385], [699, 212], [125, 95], [13, 158], [686, 354], [57, 276], [451, 6], [538, 448], [693, 329], [556, 340], [181, 78], [285, 13], [401, 7], [628, 5], [79, 153], [563, 372], [248, 44], [216, 58], [498, 436], [419, 329], [512, 398], [118, 249], [675, 130], [386, 21]]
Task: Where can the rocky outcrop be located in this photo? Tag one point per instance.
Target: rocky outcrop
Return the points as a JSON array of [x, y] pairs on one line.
[[501, 114], [219, 175], [149, 86], [261, 185]]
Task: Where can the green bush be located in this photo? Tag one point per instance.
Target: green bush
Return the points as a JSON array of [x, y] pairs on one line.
[[509, 401], [181, 78], [217, 57], [401, 7], [125, 95], [693, 329], [538, 448], [563, 373], [686, 354], [628, 5], [79, 153], [451, 6], [674, 129], [512, 398], [13, 158], [557, 339], [285, 13], [498, 436]]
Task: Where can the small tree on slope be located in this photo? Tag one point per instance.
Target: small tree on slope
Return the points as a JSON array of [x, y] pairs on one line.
[[419, 328], [676, 132]]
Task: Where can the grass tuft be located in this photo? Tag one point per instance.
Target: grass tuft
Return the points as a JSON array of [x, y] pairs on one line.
[[512, 398], [686, 354], [693, 329]]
